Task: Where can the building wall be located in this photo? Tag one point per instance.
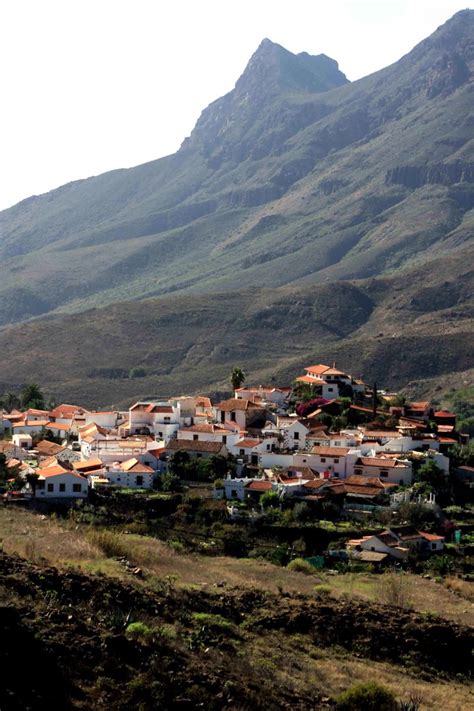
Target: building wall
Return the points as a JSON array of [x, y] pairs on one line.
[[68, 481]]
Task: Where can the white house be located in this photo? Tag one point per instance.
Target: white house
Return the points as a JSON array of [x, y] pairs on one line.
[[161, 419], [23, 440], [275, 396], [250, 449], [131, 474], [55, 482], [238, 410], [329, 461], [209, 432], [393, 470]]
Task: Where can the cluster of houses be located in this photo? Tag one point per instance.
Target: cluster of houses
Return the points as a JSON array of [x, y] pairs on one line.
[[269, 447]]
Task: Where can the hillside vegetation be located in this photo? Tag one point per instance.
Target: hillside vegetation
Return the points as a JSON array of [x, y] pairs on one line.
[[391, 329]]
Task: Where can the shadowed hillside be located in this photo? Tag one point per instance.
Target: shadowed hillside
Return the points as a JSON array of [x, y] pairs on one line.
[[417, 324]]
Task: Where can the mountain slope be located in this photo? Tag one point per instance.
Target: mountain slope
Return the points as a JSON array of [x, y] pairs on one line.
[[294, 177], [418, 324]]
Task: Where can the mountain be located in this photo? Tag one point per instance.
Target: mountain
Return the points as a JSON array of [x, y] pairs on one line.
[[300, 204], [392, 329]]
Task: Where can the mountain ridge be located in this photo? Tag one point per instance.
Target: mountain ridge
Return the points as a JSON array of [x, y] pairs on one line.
[[304, 186]]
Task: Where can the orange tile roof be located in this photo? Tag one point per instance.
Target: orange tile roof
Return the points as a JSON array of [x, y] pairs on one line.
[[431, 536], [53, 470], [234, 403], [310, 380], [378, 462], [93, 463], [135, 467], [259, 486], [330, 451], [317, 369], [248, 443]]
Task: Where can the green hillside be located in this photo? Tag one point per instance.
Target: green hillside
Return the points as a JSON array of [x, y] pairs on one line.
[[415, 325], [296, 178]]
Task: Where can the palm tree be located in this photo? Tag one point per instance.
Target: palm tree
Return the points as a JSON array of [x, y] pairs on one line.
[[31, 396], [237, 377], [10, 402]]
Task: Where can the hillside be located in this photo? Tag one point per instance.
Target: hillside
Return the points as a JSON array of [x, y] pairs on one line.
[[207, 631], [296, 178], [415, 325]]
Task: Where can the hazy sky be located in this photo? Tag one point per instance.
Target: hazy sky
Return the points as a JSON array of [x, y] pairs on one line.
[[92, 85]]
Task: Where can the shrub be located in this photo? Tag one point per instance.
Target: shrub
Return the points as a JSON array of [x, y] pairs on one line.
[[367, 697], [299, 565], [322, 590], [394, 589], [109, 543], [214, 625], [139, 631]]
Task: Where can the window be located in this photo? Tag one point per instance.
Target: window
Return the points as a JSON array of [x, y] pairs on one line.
[[224, 439], [50, 487], [167, 420], [323, 460], [199, 455], [76, 488], [195, 438], [62, 487], [232, 416], [139, 480], [233, 494], [383, 472], [160, 434], [241, 452], [357, 471], [336, 461], [330, 390], [296, 435]]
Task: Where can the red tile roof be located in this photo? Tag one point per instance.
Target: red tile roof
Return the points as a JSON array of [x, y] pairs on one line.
[[330, 451], [248, 443], [317, 369], [234, 403], [259, 486]]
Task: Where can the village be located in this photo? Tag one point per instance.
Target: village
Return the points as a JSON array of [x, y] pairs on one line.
[[331, 445]]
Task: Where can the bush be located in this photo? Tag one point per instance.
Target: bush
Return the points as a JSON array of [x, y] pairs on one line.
[[139, 631], [215, 623], [299, 565], [394, 589], [109, 543], [367, 697]]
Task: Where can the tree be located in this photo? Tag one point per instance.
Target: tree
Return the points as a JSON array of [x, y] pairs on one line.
[[31, 396], [218, 466], [3, 469], [170, 482], [430, 473], [237, 377], [270, 499], [11, 401], [32, 480], [179, 464]]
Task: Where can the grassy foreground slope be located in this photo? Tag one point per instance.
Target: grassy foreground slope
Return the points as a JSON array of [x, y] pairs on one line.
[[416, 324], [96, 641]]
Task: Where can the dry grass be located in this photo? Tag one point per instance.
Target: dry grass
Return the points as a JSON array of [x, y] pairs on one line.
[[335, 671], [423, 595], [64, 544]]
